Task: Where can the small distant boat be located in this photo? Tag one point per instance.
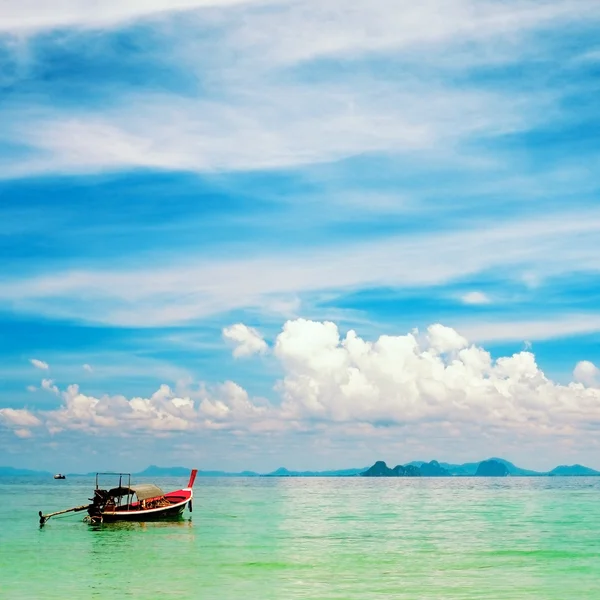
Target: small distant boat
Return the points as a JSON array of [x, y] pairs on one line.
[[129, 502], [60, 476]]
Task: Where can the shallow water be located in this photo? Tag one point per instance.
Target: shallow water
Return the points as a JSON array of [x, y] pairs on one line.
[[329, 538]]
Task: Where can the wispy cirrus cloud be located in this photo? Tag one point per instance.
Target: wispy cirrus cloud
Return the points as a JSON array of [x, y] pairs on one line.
[[151, 297], [561, 326], [256, 131], [261, 111], [33, 15]]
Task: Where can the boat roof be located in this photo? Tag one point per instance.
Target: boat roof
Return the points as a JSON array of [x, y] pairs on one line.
[[144, 491]]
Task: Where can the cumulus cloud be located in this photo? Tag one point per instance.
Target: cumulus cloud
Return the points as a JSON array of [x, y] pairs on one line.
[[48, 384], [247, 340], [587, 373], [475, 298], [435, 383], [19, 417], [227, 406], [445, 339], [23, 433], [88, 368], [39, 364], [401, 379]]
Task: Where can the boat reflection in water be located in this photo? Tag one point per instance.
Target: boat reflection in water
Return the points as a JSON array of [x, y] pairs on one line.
[[178, 523]]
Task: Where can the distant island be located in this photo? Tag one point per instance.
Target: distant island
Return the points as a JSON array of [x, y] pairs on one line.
[[492, 467], [486, 468], [380, 469]]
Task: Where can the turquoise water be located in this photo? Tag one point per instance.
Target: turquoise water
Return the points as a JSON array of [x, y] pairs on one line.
[[337, 539]]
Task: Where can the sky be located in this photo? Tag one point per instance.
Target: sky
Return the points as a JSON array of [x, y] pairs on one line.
[[245, 234]]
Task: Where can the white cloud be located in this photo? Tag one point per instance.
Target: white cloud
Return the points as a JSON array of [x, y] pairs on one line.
[[247, 340], [48, 384], [445, 339], [149, 296], [528, 330], [227, 406], [262, 120], [397, 380], [437, 384], [19, 417], [23, 433], [330, 122], [31, 388], [587, 373], [315, 28], [39, 14], [39, 364], [318, 28], [475, 298], [88, 368]]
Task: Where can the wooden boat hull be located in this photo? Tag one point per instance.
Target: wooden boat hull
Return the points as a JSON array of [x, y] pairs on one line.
[[179, 501]]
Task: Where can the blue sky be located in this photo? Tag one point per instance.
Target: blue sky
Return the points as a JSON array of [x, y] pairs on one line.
[[169, 170]]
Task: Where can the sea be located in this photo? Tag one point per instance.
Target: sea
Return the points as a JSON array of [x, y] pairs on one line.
[[312, 538]]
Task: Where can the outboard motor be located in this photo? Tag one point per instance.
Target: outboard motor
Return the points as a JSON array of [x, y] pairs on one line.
[[97, 506]]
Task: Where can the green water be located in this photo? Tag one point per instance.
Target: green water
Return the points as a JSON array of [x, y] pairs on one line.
[[314, 538]]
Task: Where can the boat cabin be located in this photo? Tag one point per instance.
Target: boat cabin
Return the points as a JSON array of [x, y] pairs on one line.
[[135, 497], [126, 496]]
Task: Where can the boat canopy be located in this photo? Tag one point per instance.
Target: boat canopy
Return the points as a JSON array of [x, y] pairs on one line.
[[144, 491]]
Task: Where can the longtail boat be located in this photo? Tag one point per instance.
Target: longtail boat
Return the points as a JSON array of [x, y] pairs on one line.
[[132, 502]]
